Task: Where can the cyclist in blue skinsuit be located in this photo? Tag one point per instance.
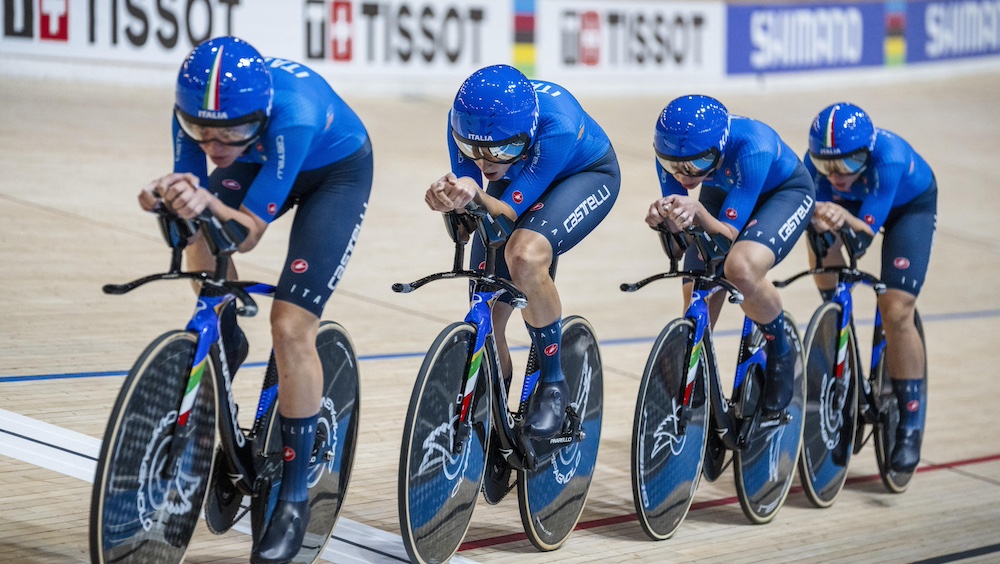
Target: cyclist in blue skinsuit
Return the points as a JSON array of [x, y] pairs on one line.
[[872, 179], [279, 137], [551, 169], [755, 192]]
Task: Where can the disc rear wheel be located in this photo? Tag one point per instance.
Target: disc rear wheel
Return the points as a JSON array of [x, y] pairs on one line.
[[765, 467], [885, 431], [552, 496], [332, 458]]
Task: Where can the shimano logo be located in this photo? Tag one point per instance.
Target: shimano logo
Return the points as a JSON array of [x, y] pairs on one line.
[[212, 114], [962, 28], [806, 37]]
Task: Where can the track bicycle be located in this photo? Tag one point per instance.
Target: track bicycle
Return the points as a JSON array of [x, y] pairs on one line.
[[685, 426], [460, 395], [159, 463], [841, 403]]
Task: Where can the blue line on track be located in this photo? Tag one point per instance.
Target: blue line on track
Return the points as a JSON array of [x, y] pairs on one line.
[[929, 318]]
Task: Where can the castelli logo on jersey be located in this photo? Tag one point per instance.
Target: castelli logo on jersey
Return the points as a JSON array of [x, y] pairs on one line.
[[912, 406], [272, 208], [901, 263], [231, 184], [482, 265], [731, 213], [537, 207], [299, 266], [518, 197], [870, 219], [289, 454], [551, 349]]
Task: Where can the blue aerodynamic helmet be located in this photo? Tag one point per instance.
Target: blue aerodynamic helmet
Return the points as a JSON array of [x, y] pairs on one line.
[[841, 139], [224, 92], [495, 114], [691, 135]]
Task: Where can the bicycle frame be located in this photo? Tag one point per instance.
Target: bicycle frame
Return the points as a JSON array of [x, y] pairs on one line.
[[216, 293], [847, 277], [486, 290], [733, 425]]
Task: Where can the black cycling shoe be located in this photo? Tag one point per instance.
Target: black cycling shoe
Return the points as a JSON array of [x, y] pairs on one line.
[[779, 382], [546, 409], [906, 452], [496, 482], [283, 537]]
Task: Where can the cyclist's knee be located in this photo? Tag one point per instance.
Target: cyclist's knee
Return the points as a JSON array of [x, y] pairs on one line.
[[897, 309], [528, 255], [292, 326], [745, 271]]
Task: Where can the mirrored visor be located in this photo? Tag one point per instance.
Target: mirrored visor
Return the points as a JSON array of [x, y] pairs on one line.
[[233, 135], [699, 165], [501, 152], [851, 164]]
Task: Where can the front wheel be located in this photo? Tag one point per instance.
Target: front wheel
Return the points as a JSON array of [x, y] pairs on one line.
[[831, 413], [441, 465], [552, 497], [332, 458], [146, 500], [885, 433], [765, 467], [669, 433]]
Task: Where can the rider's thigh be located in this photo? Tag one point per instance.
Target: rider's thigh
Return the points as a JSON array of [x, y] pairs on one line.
[[747, 264]]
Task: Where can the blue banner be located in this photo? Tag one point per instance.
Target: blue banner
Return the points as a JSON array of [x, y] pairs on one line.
[[949, 30], [769, 38]]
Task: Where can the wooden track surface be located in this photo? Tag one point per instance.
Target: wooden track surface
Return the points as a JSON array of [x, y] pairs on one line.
[[73, 158]]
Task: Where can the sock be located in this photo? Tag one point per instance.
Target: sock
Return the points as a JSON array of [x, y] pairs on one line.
[[298, 435], [774, 332], [827, 295], [911, 409], [547, 342]]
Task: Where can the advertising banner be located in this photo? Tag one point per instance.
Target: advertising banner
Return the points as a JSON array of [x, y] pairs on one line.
[[950, 30], [644, 44], [397, 38], [785, 38]]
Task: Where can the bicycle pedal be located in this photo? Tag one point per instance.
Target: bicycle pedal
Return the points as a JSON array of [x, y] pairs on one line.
[[769, 419]]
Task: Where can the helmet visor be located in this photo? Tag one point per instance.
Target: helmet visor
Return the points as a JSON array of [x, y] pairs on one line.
[[500, 152], [851, 164], [699, 165], [233, 133]]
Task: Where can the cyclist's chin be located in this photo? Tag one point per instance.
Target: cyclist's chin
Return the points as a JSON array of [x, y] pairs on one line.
[[222, 162]]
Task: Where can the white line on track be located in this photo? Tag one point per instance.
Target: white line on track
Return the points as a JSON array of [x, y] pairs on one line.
[[75, 454]]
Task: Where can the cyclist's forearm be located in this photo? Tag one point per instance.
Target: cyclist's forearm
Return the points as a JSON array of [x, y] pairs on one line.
[[494, 206]]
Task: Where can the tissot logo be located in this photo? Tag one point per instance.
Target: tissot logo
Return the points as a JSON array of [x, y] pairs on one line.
[[53, 19], [394, 31], [168, 24], [631, 38]]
